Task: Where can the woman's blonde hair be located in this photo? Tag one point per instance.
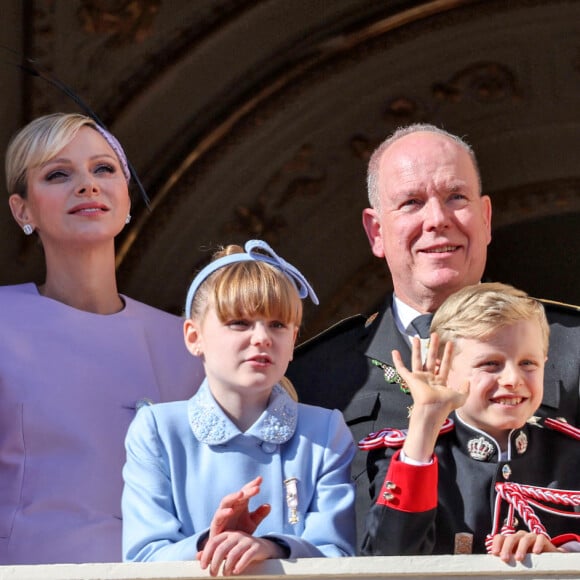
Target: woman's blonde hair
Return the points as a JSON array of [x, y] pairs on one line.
[[42, 139], [247, 288], [476, 312]]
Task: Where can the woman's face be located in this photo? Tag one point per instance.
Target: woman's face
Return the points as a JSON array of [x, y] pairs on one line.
[[80, 195]]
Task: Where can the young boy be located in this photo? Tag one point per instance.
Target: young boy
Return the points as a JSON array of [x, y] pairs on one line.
[[439, 494]]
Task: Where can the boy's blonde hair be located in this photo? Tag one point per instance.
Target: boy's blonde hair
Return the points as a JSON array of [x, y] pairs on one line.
[[42, 139], [245, 289], [476, 312]]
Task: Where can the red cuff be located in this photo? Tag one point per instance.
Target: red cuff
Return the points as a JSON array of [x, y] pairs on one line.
[[564, 539], [410, 488]]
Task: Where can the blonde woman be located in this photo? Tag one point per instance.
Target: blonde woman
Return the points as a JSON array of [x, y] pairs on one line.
[[76, 357]]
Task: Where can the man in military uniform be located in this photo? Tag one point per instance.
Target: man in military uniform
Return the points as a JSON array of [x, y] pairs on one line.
[[429, 220]]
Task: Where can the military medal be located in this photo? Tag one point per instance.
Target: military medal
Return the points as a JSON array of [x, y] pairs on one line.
[[391, 375]]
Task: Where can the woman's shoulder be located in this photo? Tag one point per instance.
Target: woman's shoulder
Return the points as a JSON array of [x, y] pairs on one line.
[[165, 411], [19, 303], [13, 290], [142, 309], [164, 330]]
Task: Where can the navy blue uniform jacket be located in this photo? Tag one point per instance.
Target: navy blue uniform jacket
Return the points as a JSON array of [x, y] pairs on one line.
[[335, 370]]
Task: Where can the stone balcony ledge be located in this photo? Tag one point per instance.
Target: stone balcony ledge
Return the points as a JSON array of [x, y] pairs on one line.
[[483, 567]]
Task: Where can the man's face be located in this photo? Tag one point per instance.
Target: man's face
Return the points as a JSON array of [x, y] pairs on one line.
[[432, 226]]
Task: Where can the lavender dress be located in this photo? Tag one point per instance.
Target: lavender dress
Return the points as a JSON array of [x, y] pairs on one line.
[[70, 382]]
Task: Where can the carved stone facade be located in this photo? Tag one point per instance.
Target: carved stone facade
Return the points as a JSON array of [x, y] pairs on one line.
[[256, 119]]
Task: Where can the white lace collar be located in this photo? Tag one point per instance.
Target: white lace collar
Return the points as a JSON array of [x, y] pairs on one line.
[[211, 425]]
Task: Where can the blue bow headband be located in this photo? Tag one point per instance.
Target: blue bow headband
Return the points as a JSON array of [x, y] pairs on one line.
[[266, 254]]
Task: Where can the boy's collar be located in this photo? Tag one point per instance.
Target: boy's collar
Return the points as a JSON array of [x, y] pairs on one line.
[[481, 446]]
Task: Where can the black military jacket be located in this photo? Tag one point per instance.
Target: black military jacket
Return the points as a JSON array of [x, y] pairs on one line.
[[336, 370], [469, 467]]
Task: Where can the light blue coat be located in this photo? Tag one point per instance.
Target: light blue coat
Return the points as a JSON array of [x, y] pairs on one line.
[[184, 457]]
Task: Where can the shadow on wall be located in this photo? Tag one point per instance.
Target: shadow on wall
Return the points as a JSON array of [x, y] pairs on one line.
[[541, 257]]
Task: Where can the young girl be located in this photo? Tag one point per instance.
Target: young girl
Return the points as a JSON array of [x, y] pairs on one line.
[[193, 466], [440, 493]]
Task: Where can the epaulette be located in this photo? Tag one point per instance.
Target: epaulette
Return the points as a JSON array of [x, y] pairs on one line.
[[394, 437], [559, 305], [560, 425], [339, 327]]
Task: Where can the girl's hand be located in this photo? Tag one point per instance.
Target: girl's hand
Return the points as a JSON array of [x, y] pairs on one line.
[[236, 550], [233, 514], [520, 544]]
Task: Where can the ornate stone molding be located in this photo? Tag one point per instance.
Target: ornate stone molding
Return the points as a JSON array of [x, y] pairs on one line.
[[535, 201], [485, 82], [123, 22]]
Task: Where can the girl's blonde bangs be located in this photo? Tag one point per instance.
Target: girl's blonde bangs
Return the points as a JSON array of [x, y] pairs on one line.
[[256, 288]]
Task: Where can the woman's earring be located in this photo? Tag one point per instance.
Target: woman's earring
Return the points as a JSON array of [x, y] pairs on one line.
[[128, 219], [27, 229]]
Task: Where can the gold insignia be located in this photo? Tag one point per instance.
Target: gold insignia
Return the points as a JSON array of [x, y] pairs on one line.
[[371, 319]]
